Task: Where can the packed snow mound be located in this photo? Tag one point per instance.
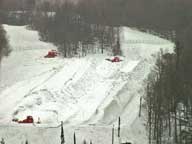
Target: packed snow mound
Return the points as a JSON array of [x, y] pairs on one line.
[[71, 92], [78, 91]]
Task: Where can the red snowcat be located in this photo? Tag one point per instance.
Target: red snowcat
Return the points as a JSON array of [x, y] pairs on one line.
[[115, 59], [51, 54], [28, 120]]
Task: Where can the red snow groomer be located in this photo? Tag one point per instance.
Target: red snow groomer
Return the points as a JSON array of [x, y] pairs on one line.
[[28, 120], [115, 59], [51, 54]]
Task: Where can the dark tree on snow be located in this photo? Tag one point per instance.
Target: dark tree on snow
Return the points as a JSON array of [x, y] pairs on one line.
[[119, 127], [74, 138], [62, 134]]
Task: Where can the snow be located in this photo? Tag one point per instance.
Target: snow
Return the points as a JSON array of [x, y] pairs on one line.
[[88, 94], [26, 60]]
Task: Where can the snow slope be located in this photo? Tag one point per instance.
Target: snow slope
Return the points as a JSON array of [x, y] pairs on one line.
[[26, 59], [78, 91]]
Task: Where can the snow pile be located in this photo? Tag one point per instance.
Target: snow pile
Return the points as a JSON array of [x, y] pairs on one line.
[[78, 91]]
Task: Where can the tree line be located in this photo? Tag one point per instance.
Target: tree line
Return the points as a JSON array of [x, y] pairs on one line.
[[74, 32], [4, 45], [169, 98], [168, 92], [88, 20], [16, 12]]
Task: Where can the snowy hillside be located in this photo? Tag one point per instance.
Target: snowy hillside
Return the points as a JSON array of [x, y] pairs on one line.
[[78, 91]]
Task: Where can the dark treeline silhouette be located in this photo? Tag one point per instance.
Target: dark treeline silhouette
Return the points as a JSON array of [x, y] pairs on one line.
[[161, 100], [16, 12], [87, 18], [17, 5], [4, 45], [72, 30], [169, 95], [89, 21], [169, 98]]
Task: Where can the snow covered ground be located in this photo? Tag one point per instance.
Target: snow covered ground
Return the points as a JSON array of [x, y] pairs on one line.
[[88, 94]]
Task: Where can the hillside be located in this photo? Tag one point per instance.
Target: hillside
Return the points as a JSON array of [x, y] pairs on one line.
[[79, 91]]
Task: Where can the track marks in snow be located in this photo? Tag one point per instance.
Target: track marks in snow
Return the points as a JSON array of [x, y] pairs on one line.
[[81, 90]]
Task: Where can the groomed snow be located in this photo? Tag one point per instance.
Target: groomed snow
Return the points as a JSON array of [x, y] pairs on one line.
[[79, 91]]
